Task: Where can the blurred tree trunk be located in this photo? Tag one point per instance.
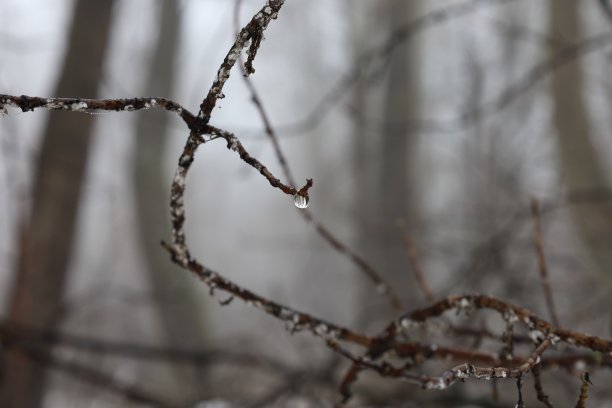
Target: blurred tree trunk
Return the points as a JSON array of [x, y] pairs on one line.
[[579, 163], [491, 184], [178, 308], [363, 168], [47, 238], [398, 185], [384, 191]]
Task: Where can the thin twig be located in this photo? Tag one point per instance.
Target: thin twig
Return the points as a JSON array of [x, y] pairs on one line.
[[606, 6], [543, 267], [416, 268], [449, 377], [373, 62], [463, 120], [90, 375], [382, 287], [537, 384], [519, 386], [543, 334]]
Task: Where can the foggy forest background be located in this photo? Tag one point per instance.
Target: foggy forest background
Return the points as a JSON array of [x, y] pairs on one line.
[[431, 153]]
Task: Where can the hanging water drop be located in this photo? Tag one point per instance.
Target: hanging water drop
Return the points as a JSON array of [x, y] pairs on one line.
[[300, 201]]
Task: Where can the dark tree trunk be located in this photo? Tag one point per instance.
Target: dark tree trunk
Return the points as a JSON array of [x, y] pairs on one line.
[[579, 164], [47, 239]]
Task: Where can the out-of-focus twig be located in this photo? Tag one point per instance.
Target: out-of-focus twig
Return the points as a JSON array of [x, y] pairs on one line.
[[382, 350], [416, 268], [606, 6], [537, 384], [89, 375], [372, 63], [519, 385], [382, 287], [543, 267], [450, 376], [463, 120]]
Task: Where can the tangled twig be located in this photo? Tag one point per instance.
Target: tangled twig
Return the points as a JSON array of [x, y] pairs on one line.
[[378, 351]]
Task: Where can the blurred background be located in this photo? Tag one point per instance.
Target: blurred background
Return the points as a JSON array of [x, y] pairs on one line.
[[440, 131]]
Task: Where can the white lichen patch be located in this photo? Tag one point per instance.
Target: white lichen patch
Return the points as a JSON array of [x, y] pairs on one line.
[[435, 384], [510, 317], [178, 212], [179, 179], [321, 329], [78, 106], [184, 160], [232, 144], [536, 336], [465, 303], [527, 320], [500, 372], [407, 323]]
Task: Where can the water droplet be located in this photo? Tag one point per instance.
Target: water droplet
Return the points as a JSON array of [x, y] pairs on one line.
[[300, 201]]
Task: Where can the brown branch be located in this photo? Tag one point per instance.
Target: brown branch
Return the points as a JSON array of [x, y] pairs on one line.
[[29, 103], [541, 332], [253, 33], [539, 247], [296, 321], [537, 326], [449, 377], [407, 351]]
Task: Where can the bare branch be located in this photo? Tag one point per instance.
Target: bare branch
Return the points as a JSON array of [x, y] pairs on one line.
[[253, 33]]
